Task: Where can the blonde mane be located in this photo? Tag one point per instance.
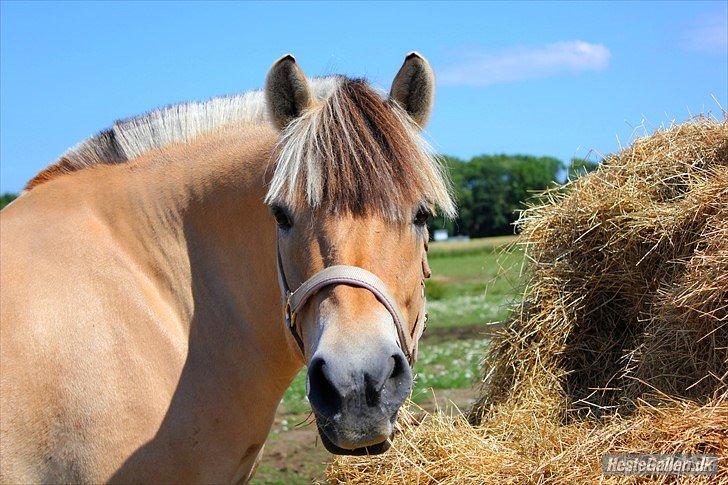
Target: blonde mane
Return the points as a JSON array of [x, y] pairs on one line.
[[354, 150], [132, 137]]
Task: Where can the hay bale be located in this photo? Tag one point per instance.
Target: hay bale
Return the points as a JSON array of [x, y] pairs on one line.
[[620, 343], [629, 282]]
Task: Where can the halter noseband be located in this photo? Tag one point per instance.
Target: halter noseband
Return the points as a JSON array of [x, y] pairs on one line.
[[351, 276]]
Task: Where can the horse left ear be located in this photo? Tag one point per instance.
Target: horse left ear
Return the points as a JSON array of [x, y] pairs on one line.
[[413, 88]]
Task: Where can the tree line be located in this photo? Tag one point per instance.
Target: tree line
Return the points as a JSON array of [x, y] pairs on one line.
[[490, 189]]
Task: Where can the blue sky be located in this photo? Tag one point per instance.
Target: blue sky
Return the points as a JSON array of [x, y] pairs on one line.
[[540, 78]]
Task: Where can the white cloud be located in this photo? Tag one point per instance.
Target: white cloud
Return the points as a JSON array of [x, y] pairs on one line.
[[708, 33], [519, 63]]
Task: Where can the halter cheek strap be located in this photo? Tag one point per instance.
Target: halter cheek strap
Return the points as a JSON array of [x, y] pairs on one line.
[[350, 276]]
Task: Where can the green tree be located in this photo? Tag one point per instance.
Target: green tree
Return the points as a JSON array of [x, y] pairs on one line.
[[581, 166], [6, 198], [490, 189]]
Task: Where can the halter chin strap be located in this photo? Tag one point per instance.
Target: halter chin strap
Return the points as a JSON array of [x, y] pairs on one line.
[[350, 276]]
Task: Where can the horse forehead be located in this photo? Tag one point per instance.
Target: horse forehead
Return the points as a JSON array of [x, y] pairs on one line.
[[348, 230]]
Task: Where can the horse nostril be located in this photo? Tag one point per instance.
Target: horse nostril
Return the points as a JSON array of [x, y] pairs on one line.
[[374, 384], [371, 391], [391, 374], [399, 366], [323, 396]]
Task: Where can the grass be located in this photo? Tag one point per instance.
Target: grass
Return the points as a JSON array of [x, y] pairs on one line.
[[474, 284], [447, 365], [471, 246], [270, 475], [295, 399]]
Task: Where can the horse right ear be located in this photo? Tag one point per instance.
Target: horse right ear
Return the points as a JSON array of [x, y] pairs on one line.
[[286, 91]]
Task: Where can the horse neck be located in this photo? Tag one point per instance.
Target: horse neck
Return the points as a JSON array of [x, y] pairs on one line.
[[198, 214]]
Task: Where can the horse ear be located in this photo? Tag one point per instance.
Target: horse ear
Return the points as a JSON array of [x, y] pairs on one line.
[[287, 92], [414, 88]]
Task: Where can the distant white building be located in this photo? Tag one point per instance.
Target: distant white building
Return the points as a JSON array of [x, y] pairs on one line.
[[440, 235]]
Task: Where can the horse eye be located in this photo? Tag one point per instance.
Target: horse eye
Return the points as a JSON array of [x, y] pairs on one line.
[[282, 218], [422, 216]]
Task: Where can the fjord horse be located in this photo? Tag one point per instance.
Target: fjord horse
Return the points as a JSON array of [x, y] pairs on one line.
[[146, 273]]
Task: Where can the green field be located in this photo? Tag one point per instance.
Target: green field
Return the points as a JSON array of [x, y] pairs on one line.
[[472, 285], [472, 282]]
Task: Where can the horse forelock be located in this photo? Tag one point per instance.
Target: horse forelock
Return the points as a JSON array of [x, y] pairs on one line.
[[358, 152]]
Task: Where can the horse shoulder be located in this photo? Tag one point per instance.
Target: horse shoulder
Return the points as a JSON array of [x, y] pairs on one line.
[[78, 393]]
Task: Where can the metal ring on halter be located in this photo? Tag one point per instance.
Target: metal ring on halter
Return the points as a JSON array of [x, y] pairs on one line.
[[351, 276]]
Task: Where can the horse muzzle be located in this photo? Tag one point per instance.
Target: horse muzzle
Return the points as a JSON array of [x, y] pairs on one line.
[[355, 401]]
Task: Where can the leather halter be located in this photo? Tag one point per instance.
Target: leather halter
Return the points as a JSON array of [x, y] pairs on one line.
[[358, 277]]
